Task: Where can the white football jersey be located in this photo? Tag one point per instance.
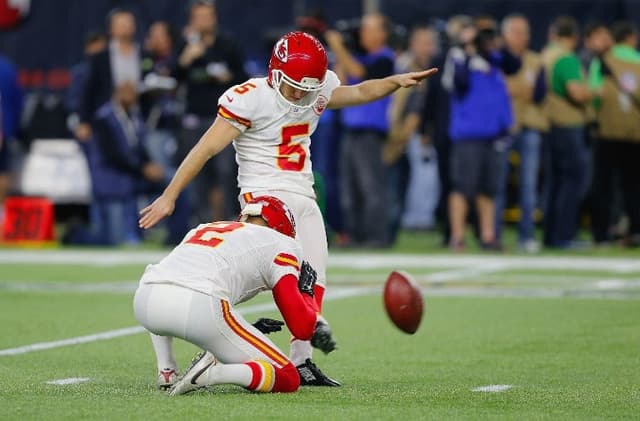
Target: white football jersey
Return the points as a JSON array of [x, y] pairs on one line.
[[273, 150], [229, 260]]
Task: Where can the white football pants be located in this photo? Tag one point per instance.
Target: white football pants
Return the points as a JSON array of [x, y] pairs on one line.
[[208, 322]]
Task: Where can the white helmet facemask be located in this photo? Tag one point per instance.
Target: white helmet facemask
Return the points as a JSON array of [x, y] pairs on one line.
[[310, 85]]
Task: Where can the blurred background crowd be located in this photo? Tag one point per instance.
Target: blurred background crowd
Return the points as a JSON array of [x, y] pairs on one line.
[[533, 119]]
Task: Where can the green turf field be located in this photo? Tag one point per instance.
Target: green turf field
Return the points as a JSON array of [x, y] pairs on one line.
[[562, 332]]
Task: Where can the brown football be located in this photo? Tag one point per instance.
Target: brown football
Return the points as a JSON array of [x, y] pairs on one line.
[[403, 301]]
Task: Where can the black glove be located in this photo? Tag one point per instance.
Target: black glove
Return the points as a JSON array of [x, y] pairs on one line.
[[307, 279], [323, 338], [268, 326]]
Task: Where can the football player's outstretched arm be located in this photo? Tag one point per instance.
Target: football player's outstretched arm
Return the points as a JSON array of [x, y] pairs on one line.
[[373, 89], [216, 138]]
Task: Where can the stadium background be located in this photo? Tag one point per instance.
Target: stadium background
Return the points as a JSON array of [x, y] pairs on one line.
[[51, 36], [553, 336], [48, 41]]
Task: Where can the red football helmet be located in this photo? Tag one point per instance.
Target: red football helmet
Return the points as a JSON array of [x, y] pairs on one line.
[[276, 214], [299, 60]]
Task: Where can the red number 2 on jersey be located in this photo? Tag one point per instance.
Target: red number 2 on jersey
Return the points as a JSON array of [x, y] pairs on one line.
[[291, 155], [210, 235]]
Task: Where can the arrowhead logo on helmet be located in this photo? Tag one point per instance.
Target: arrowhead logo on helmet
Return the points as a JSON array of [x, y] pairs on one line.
[[282, 50]]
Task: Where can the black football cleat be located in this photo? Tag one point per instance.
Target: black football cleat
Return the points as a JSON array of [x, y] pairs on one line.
[[310, 375]]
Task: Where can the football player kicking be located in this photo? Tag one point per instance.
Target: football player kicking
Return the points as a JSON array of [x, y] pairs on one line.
[[270, 121], [192, 292]]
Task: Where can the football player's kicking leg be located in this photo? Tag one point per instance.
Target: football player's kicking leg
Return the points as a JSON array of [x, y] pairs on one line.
[[249, 359], [311, 234]]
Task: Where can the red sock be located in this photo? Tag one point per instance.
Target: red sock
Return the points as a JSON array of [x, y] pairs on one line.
[[268, 378], [287, 379]]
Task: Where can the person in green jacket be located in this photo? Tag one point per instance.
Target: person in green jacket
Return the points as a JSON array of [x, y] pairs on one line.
[[567, 156]]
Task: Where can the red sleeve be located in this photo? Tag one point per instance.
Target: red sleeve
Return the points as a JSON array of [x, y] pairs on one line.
[[298, 310]]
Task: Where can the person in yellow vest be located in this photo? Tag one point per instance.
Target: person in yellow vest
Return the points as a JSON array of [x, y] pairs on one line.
[[527, 88], [617, 158], [566, 154]]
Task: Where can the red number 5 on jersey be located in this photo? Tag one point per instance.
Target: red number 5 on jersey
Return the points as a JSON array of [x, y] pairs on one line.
[[292, 155]]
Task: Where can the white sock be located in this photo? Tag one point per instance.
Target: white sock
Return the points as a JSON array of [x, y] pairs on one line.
[[300, 351], [163, 346], [238, 374]]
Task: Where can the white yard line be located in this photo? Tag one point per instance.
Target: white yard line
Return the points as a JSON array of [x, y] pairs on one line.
[[493, 388], [67, 381], [613, 284], [487, 273], [406, 261], [102, 336], [123, 287], [465, 273], [127, 286], [81, 257], [499, 292], [491, 276], [335, 294], [615, 289], [343, 260], [130, 286]]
